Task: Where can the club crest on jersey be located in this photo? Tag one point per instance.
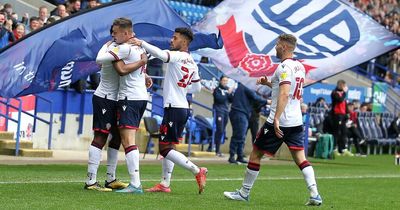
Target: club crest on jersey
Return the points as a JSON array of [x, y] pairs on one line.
[[170, 124], [108, 126], [124, 107], [265, 131], [103, 111]]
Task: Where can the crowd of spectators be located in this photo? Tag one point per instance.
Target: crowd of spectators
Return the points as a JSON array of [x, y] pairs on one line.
[[387, 13], [14, 26]]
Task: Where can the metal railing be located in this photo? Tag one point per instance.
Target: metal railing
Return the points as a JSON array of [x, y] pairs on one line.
[[7, 103], [49, 122]]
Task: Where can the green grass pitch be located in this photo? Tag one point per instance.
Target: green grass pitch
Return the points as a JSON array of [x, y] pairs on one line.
[[344, 183]]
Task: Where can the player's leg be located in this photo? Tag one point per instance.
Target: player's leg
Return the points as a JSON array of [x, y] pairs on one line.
[[171, 129], [294, 140], [112, 160], [95, 149], [130, 115], [265, 143], [166, 173], [101, 125]]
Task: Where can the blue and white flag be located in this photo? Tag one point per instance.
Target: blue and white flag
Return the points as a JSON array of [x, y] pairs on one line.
[[332, 37], [62, 53]]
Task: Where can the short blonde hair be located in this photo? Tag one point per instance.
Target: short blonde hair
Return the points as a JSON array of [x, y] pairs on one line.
[[288, 39]]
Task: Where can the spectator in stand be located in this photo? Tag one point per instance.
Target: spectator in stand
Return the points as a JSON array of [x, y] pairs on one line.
[[356, 104], [386, 12], [62, 11], [353, 130], [43, 14], [321, 103], [339, 117], [364, 107], [222, 97], [74, 6], [8, 10], [6, 36], [34, 24], [19, 31], [92, 4]]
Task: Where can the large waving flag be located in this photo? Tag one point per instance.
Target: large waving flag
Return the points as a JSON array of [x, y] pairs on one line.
[[332, 37], [62, 53]]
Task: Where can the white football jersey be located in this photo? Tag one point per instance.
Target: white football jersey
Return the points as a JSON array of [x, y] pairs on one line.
[[133, 85], [109, 80], [181, 72], [292, 72]]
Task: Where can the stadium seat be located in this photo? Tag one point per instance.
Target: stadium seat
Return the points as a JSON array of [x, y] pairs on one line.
[[151, 126], [366, 132]]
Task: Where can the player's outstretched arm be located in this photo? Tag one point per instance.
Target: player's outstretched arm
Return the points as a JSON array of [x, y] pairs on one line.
[[153, 50], [194, 87], [124, 69]]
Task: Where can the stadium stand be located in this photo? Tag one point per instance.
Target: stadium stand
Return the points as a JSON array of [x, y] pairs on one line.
[[192, 13]]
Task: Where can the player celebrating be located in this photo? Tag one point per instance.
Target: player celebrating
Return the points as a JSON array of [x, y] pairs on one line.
[[104, 115], [284, 123], [132, 101], [182, 72]]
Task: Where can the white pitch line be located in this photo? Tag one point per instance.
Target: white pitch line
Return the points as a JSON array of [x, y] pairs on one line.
[[210, 179]]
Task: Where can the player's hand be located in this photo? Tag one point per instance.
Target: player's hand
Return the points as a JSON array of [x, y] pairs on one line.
[[8, 25], [144, 58], [135, 41], [278, 131], [262, 80], [149, 81]]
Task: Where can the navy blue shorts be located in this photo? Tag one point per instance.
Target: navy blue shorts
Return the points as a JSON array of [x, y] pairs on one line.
[[130, 113], [172, 125], [104, 114], [267, 142]]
